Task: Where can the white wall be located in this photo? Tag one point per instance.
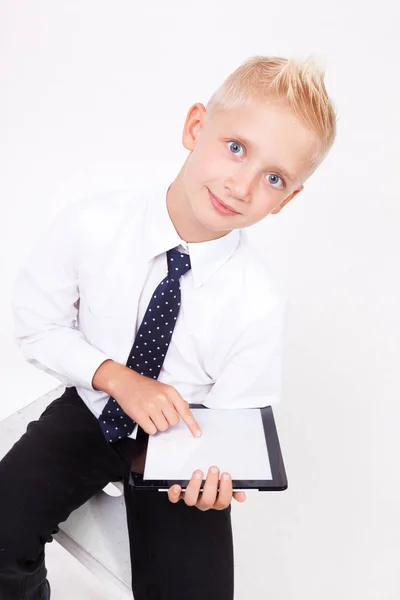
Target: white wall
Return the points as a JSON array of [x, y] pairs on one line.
[[93, 96]]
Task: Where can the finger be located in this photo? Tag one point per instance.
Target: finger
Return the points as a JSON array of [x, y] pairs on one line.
[[225, 492], [147, 424], [186, 414], [193, 489], [157, 417], [174, 493], [210, 490], [239, 496], [171, 414]]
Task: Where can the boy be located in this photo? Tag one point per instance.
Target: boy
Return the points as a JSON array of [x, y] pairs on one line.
[[170, 280]]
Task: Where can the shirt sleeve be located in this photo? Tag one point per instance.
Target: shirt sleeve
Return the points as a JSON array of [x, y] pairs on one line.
[[45, 298], [251, 377]]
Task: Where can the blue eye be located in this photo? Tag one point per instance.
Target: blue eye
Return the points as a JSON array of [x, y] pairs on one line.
[[276, 177], [234, 144]]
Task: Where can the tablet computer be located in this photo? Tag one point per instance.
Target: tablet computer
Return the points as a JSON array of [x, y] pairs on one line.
[[242, 442]]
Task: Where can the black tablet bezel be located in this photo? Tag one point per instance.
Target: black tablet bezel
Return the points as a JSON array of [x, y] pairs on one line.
[[277, 483]]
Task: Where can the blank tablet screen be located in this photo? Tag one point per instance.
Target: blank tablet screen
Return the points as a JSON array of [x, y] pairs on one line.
[[233, 440]]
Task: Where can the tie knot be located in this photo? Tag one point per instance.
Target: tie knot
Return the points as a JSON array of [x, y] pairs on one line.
[[178, 263]]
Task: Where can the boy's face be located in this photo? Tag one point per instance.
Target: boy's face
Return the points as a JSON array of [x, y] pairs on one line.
[[254, 160]]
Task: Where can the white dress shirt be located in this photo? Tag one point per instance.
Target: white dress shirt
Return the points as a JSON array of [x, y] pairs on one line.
[[82, 292]]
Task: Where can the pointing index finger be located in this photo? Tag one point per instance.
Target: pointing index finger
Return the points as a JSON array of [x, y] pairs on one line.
[[187, 416]]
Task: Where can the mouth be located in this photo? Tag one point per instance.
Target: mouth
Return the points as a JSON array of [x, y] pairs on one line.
[[221, 206]]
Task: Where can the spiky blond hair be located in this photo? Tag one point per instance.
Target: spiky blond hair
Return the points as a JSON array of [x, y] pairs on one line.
[[299, 84]]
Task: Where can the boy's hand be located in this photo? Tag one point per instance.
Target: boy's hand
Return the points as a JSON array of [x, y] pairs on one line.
[[208, 498], [152, 404]]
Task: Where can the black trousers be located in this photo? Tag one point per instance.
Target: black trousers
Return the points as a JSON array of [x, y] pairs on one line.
[[177, 552]]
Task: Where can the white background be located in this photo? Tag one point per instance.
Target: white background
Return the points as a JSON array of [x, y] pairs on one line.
[[93, 96]]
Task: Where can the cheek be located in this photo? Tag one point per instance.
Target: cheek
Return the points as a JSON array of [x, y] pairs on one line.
[[264, 207], [204, 163]]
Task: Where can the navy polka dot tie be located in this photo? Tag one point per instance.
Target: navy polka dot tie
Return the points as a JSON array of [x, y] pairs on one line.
[[151, 343]]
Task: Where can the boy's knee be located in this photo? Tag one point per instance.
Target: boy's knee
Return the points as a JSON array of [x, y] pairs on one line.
[[8, 553], [16, 555], [20, 547]]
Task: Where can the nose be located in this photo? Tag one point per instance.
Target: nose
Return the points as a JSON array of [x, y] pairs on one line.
[[240, 186]]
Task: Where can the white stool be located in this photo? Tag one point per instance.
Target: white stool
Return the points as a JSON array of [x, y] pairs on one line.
[[96, 533]]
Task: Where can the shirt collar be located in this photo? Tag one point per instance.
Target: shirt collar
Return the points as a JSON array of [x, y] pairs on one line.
[[160, 235]]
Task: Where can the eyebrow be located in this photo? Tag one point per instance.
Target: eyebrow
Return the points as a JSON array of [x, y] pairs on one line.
[[250, 144]]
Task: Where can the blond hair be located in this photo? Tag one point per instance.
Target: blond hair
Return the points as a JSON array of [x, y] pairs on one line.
[[299, 84]]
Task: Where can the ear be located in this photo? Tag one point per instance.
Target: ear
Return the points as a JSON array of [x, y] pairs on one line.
[[193, 125], [287, 200]]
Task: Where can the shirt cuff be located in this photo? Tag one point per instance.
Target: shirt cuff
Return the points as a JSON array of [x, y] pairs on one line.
[[82, 366]]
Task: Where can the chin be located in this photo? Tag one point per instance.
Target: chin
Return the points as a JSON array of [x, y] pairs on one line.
[[212, 223], [206, 216]]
